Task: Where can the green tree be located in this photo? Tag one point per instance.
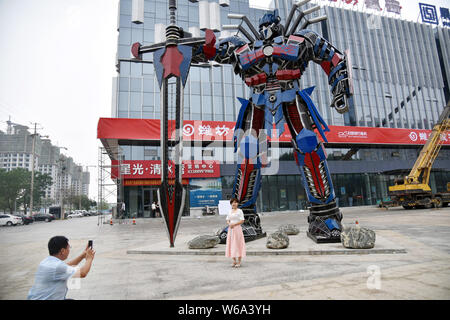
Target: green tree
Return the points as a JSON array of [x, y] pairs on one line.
[[83, 200], [13, 186], [41, 182]]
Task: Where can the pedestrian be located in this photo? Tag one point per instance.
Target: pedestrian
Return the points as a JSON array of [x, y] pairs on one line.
[[158, 212], [122, 210], [53, 273], [153, 210], [235, 247]]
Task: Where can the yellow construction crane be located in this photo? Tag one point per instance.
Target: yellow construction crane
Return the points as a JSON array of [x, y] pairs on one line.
[[413, 190]]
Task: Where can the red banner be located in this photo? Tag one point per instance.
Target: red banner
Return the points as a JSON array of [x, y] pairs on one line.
[[148, 129], [151, 169]]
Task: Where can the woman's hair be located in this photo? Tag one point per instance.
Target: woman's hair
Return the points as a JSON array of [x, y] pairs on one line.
[[234, 200], [57, 243]]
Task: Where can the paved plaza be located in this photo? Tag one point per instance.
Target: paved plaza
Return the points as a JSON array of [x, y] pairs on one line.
[[411, 259]]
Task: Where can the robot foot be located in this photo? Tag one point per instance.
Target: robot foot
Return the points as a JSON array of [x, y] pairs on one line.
[[252, 228], [325, 223]]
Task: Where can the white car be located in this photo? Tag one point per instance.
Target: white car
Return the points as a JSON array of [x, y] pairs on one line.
[[10, 220], [75, 215]]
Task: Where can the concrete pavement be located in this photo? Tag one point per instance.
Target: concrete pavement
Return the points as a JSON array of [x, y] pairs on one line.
[[415, 265]]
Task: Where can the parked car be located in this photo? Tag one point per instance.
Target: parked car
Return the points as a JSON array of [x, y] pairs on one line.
[[85, 213], [43, 217], [25, 219], [75, 215], [10, 220]]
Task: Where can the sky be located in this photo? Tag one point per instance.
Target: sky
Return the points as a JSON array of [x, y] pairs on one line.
[[57, 63]]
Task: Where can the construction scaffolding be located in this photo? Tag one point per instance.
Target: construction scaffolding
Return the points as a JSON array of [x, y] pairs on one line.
[[110, 182]]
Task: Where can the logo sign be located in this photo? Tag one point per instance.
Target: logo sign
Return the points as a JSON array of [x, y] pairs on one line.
[[188, 130], [413, 136], [393, 6], [373, 4], [428, 13], [353, 134], [445, 16]]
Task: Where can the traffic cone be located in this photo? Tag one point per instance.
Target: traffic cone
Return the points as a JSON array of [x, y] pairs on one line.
[[134, 221], [110, 222]]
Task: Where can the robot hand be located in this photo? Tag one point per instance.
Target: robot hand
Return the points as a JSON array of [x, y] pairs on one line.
[[342, 97]]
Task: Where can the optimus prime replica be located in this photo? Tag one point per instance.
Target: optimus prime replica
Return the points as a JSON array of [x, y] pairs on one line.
[[271, 63]]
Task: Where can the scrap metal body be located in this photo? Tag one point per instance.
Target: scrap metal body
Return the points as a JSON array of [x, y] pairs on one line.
[[271, 62]]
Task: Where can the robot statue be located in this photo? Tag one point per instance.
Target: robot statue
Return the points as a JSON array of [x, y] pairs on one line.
[[271, 64]]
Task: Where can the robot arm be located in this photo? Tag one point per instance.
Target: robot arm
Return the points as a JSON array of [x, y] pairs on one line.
[[336, 65], [221, 52]]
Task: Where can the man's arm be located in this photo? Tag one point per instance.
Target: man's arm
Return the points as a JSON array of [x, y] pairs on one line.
[[77, 260], [84, 270]]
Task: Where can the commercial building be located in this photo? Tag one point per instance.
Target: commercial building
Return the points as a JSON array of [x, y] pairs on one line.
[[401, 77]]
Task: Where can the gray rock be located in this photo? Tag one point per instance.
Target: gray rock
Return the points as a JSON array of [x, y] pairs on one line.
[[277, 240], [203, 242], [289, 229], [356, 237]]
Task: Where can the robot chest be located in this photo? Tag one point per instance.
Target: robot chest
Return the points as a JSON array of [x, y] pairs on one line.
[[265, 55]]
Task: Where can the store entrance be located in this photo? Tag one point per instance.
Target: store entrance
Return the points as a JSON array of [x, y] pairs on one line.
[[149, 195]]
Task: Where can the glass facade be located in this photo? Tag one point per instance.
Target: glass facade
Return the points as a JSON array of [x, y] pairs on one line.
[[398, 83], [394, 88], [285, 192]]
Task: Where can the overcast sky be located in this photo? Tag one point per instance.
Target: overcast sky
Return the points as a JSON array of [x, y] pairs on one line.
[[56, 67]]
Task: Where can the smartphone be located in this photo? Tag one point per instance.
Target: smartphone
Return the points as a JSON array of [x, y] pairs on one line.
[[91, 244]]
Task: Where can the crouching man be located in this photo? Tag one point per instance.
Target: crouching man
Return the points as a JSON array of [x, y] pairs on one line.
[[53, 273]]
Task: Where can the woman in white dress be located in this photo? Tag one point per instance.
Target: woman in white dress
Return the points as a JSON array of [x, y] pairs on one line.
[[235, 247]]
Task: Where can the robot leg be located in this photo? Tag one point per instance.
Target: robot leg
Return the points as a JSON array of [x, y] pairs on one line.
[[325, 217], [249, 141]]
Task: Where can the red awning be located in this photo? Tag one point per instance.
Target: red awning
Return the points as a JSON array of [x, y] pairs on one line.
[[128, 129]]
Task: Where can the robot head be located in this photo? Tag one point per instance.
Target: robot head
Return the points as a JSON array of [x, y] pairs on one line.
[[269, 25]]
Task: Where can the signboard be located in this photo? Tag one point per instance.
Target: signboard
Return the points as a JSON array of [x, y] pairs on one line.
[[209, 131], [393, 6], [224, 207], [445, 16], [363, 135], [151, 169], [373, 4], [428, 13], [205, 192]]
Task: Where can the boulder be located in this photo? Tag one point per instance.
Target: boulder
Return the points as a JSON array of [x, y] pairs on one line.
[[289, 229], [277, 240], [356, 237], [203, 242]]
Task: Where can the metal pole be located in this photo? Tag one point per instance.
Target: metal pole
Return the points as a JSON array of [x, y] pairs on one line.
[[32, 170]]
